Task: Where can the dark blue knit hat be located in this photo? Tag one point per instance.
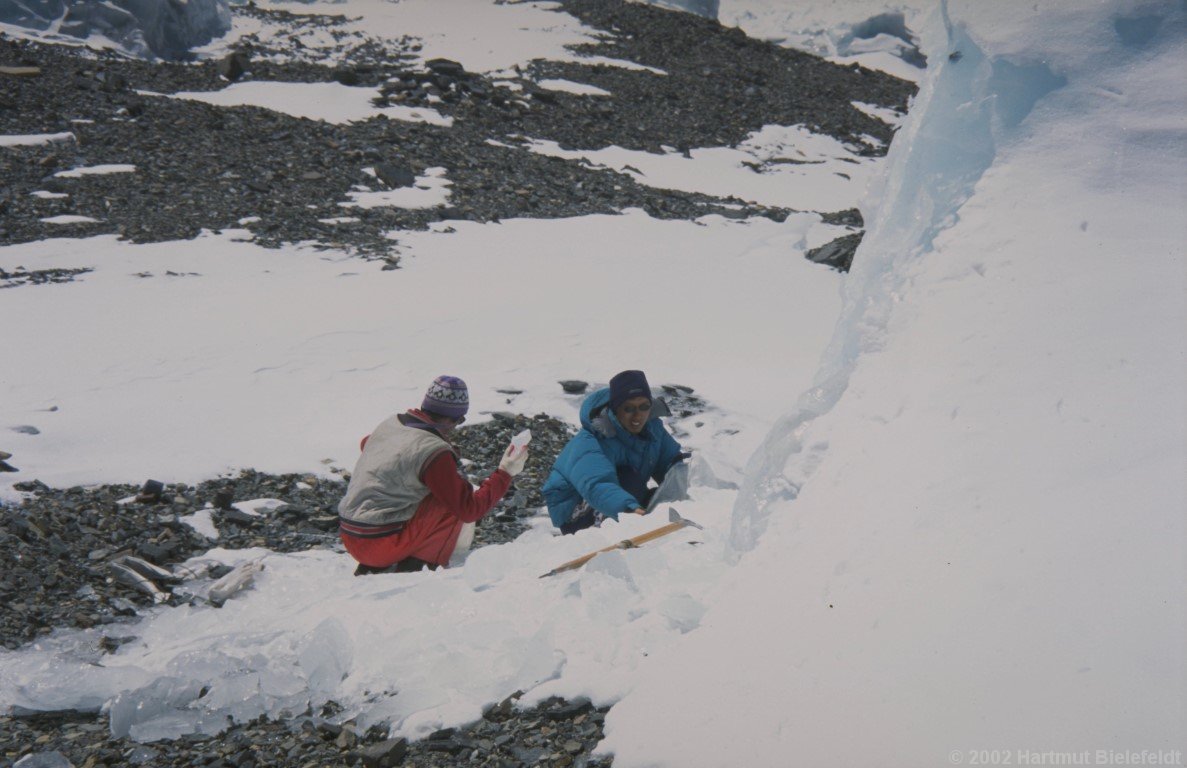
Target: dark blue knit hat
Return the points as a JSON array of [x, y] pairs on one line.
[[626, 385], [447, 396]]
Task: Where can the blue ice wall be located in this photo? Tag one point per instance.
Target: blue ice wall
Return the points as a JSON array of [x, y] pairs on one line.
[[966, 103], [165, 29]]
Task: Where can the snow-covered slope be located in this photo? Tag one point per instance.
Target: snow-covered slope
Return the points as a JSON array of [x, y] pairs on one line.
[[967, 534], [970, 534]]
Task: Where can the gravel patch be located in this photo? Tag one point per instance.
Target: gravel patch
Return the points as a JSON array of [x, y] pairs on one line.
[[204, 167]]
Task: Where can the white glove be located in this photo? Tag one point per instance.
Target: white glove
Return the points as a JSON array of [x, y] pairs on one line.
[[513, 460]]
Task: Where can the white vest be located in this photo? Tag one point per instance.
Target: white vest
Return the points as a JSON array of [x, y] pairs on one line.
[[385, 488]]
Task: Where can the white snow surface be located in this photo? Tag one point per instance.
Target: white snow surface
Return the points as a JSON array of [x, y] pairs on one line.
[[782, 166], [35, 139], [429, 190], [328, 102], [482, 35], [69, 218], [95, 170], [568, 86], [964, 533]]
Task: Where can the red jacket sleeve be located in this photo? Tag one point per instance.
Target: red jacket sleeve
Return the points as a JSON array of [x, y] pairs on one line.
[[455, 492]]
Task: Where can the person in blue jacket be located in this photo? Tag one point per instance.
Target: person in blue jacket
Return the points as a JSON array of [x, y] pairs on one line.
[[604, 469]]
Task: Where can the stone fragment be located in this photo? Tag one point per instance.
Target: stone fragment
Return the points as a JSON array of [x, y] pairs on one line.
[[837, 254], [395, 176], [385, 754], [53, 759], [446, 67], [234, 65], [20, 71]]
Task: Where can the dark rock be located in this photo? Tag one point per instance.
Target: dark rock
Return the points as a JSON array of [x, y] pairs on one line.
[[54, 759], [347, 76], [837, 254], [384, 754], [503, 709], [574, 386], [239, 517], [234, 65], [568, 710], [446, 67], [848, 218], [394, 176], [150, 492], [543, 95]]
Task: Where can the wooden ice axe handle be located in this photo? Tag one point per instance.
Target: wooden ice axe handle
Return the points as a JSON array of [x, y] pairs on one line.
[[677, 523]]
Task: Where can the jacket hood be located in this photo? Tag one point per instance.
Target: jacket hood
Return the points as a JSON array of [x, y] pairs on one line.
[[598, 418], [594, 404]]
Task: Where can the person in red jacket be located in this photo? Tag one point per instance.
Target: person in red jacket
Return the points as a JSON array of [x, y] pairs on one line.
[[407, 502]]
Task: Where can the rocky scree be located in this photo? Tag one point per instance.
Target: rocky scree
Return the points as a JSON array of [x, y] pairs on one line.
[[199, 166], [553, 734], [60, 542], [58, 546]]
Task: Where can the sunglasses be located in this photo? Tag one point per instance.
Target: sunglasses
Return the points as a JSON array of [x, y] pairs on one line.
[[630, 409]]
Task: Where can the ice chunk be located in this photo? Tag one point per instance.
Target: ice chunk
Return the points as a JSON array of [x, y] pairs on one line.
[[487, 566], [465, 538], [53, 759], [147, 28], [711, 474], [152, 710], [608, 590], [673, 488], [521, 439], [326, 656], [236, 581], [682, 611]]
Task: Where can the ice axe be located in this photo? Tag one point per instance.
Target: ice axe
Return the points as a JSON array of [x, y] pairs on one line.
[[677, 522]]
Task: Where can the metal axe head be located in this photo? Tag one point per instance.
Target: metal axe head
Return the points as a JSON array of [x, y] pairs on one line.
[[674, 517]]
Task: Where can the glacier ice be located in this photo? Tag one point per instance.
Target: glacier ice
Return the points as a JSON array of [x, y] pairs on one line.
[[949, 141], [706, 8], [147, 28]]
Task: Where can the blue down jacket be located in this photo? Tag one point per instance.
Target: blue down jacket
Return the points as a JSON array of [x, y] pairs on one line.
[[588, 466]]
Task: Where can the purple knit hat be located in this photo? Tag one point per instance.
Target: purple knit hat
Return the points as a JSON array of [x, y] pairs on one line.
[[447, 396]]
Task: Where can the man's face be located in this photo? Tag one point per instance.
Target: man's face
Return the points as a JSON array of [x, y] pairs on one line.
[[633, 414]]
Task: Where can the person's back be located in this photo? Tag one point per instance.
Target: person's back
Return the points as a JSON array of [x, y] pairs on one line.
[[407, 503], [385, 487]]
